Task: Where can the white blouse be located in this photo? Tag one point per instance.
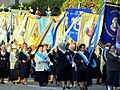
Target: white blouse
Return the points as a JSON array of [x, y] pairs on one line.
[[41, 65]]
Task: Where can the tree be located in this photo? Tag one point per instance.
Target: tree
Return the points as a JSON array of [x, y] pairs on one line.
[[61, 5], [97, 4], [43, 5]]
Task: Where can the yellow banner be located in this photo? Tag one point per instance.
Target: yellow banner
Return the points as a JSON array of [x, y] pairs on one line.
[[87, 26]]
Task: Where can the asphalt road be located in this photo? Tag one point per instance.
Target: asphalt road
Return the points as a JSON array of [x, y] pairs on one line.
[[34, 86]]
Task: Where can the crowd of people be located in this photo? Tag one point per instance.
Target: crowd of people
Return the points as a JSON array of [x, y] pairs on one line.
[[68, 65]]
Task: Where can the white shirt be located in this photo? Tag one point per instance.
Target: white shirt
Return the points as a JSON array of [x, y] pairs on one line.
[[13, 59], [41, 64], [3, 53]]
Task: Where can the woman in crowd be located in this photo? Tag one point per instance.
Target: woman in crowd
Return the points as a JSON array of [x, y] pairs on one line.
[[53, 58], [52, 67], [25, 64], [99, 73], [103, 62], [72, 65], [4, 64], [14, 67], [41, 68], [32, 65], [112, 67], [46, 50], [62, 65], [81, 63]]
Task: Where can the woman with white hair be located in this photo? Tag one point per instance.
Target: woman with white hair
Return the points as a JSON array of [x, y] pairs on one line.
[[70, 54], [4, 64], [62, 65]]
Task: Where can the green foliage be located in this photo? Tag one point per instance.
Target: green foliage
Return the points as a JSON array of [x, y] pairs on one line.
[[68, 4], [43, 4], [61, 5], [5, 10], [85, 3], [16, 6]]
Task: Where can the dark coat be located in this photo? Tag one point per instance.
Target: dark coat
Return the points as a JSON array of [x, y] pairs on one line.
[[63, 67], [82, 68], [112, 63], [4, 65], [61, 61], [80, 62], [52, 57], [24, 67], [70, 54]]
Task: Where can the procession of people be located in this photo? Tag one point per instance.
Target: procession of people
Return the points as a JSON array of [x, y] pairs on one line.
[[77, 49], [66, 64]]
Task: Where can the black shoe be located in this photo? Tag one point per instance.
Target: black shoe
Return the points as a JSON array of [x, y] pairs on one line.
[[45, 84], [41, 85], [58, 85], [68, 87], [18, 82], [13, 82], [2, 82], [63, 88]]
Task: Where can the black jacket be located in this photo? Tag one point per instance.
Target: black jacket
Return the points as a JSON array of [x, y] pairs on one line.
[[61, 60], [69, 54], [5, 64], [112, 63], [81, 65]]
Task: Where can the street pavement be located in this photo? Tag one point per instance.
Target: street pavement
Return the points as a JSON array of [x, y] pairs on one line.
[[35, 86]]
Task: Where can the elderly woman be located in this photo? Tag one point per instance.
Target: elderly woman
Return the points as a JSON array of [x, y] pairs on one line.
[[14, 66], [62, 65], [4, 64], [25, 64], [112, 66], [81, 60], [72, 66], [41, 68]]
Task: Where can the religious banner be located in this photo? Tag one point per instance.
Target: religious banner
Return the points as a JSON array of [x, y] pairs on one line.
[[49, 39], [31, 25], [19, 32], [72, 14], [87, 27], [5, 22], [17, 20], [43, 24], [111, 23], [118, 39]]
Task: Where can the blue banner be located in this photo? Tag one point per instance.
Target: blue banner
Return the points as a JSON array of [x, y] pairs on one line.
[[56, 28], [118, 39], [72, 14], [111, 23], [44, 22], [96, 34]]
